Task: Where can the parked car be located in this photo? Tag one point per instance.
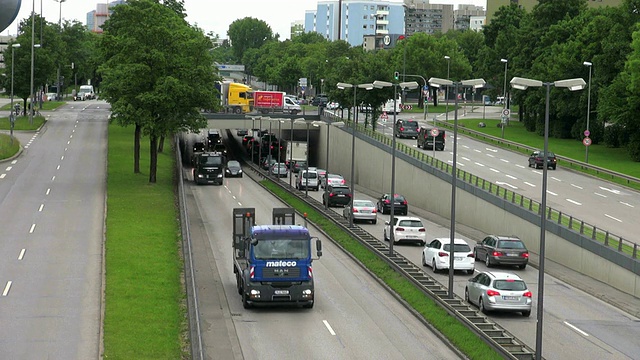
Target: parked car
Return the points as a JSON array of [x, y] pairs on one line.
[[536, 159], [502, 250], [363, 210], [407, 129], [333, 105], [279, 170], [400, 205], [337, 195], [233, 169], [499, 291], [307, 179], [406, 229], [436, 254], [332, 179]]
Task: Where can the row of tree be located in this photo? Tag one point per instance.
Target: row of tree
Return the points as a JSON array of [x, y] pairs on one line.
[[549, 43]]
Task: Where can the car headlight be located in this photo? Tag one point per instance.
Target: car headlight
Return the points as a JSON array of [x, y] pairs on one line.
[[227, 170], [219, 175], [239, 171], [200, 176]]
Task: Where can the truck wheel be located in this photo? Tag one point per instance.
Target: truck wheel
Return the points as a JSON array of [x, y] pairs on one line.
[[238, 282], [245, 300], [237, 110]]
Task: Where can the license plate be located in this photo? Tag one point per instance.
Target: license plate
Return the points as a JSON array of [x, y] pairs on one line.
[[510, 298], [366, 211], [459, 259], [512, 254], [282, 292], [340, 195]]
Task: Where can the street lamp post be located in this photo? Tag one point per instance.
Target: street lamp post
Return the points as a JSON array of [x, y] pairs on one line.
[[58, 90], [474, 83], [33, 55], [504, 98], [12, 117], [403, 86], [523, 84], [426, 96], [328, 123], [446, 94], [343, 86], [586, 148], [306, 167]]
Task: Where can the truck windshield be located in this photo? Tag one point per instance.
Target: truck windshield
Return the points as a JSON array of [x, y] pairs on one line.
[[211, 160], [282, 249]]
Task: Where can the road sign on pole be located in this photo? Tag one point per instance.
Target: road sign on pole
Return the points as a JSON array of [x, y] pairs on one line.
[[587, 133], [506, 112], [586, 141], [434, 132]]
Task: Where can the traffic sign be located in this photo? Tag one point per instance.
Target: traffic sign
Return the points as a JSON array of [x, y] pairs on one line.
[[425, 88], [406, 107], [434, 132], [587, 133], [506, 112], [384, 116], [586, 141]]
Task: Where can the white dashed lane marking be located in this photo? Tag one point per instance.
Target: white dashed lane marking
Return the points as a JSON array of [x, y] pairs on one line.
[[577, 187], [573, 202], [612, 218]]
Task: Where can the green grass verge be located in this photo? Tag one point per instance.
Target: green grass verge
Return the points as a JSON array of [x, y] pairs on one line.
[[145, 309], [8, 146], [464, 339], [22, 123], [46, 105]]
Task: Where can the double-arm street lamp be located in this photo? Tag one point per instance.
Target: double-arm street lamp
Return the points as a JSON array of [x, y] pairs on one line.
[[586, 133], [523, 84], [446, 94], [504, 98], [476, 84], [343, 86], [403, 85]]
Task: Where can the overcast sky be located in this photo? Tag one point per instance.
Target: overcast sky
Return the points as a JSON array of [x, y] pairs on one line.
[[210, 15]]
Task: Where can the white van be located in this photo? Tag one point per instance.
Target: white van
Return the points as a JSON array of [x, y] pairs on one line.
[[307, 179], [87, 90], [390, 109]]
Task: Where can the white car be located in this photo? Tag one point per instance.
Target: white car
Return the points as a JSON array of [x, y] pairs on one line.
[[332, 179], [406, 229], [333, 106], [363, 210], [436, 254]]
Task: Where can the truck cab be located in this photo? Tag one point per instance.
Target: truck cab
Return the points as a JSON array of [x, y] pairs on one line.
[[208, 167], [273, 263]]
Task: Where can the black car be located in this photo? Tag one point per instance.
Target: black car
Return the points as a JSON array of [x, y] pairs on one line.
[[407, 129], [536, 159], [502, 250], [400, 205], [426, 141], [233, 169], [320, 100], [337, 195]]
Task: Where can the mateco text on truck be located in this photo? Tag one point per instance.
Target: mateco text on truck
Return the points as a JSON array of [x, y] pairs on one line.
[[272, 263]]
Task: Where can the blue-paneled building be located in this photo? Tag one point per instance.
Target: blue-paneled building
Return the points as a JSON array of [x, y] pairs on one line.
[[380, 20]]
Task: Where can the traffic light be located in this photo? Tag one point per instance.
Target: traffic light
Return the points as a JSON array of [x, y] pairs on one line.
[[396, 75]]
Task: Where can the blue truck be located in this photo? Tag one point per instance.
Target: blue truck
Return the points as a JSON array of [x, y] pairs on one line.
[[273, 263]]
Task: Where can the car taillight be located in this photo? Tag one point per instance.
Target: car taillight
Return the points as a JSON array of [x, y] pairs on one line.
[[349, 195], [387, 201], [422, 230], [404, 202], [443, 254], [497, 253], [343, 182], [401, 129], [355, 210], [492, 293], [399, 229], [331, 195], [525, 255], [374, 211], [527, 294]]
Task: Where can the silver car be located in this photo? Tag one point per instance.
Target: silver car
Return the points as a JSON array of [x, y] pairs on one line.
[[499, 291], [363, 210], [279, 170], [332, 179]]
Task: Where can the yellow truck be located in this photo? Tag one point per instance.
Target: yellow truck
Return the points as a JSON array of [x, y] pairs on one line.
[[235, 97]]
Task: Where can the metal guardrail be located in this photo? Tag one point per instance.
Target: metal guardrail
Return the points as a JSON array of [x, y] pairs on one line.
[[501, 340], [605, 237]]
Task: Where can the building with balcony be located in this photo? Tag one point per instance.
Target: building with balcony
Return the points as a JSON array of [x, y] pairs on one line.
[[462, 16], [357, 20], [422, 17]]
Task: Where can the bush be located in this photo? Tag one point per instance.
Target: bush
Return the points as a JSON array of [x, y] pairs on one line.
[[615, 136]]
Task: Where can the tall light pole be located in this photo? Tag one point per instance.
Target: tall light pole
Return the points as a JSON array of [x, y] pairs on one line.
[[504, 98], [352, 179], [587, 133], [328, 123], [12, 117], [58, 90], [446, 94], [33, 55], [403, 86], [523, 84], [306, 167], [474, 83]]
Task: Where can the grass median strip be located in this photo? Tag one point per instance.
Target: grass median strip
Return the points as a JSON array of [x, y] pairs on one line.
[[145, 313], [464, 339]]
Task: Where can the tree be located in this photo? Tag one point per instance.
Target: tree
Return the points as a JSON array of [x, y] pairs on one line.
[[157, 74], [248, 33]]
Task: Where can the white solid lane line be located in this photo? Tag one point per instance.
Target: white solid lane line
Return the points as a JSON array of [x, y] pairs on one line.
[[576, 329], [617, 192], [612, 218], [571, 201], [7, 288], [326, 323]]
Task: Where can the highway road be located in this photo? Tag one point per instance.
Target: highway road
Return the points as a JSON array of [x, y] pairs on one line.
[[576, 323], [52, 214], [354, 316], [608, 206]]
